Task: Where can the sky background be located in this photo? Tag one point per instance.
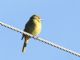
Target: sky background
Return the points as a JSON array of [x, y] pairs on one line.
[[61, 24]]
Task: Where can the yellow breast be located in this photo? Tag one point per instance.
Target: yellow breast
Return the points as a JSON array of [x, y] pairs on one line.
[[37, 28]]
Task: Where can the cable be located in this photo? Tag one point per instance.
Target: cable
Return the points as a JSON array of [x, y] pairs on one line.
[[41, 39]]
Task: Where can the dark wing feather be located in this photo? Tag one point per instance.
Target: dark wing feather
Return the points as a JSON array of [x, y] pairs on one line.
[[27, 25]]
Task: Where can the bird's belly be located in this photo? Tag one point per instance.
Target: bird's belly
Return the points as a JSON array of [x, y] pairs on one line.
[[36, 30]]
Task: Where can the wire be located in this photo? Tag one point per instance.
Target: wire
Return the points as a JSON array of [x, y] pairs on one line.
[[41, 39]]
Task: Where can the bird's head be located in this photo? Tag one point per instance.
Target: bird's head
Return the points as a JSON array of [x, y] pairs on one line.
[[35, 18]]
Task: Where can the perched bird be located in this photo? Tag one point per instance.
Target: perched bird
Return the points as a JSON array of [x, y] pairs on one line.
[[33, 26]]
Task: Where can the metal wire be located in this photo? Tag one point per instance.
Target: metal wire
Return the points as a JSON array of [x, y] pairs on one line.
[[41, 39]]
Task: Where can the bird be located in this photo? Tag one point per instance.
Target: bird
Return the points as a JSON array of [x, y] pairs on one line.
[[33, 26]]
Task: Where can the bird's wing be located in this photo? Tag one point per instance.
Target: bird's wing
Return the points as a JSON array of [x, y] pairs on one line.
[[26, 28]]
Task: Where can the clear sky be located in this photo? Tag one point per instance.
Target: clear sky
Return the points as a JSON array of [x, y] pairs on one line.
[[61, 24]]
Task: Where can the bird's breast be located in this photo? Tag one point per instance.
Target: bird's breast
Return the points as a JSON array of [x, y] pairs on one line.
[[36, 29]]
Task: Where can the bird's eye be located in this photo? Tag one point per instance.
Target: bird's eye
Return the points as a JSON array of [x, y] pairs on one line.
[[38, 17]]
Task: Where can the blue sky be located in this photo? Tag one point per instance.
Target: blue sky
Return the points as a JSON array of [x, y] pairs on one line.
[[61, 24]]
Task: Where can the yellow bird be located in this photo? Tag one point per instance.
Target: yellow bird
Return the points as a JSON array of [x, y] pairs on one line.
[[33, 26]]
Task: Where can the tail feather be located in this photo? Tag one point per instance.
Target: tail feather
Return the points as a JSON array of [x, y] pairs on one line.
[[24, 47], [25, 43]]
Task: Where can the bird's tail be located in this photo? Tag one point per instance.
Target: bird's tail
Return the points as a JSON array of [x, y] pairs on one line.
[[25, 43]]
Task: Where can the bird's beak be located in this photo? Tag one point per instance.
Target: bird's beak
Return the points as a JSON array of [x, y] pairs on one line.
[[41, 19]]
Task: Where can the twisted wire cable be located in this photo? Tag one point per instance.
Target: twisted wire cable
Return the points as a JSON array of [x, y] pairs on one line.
[[41, 40]]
